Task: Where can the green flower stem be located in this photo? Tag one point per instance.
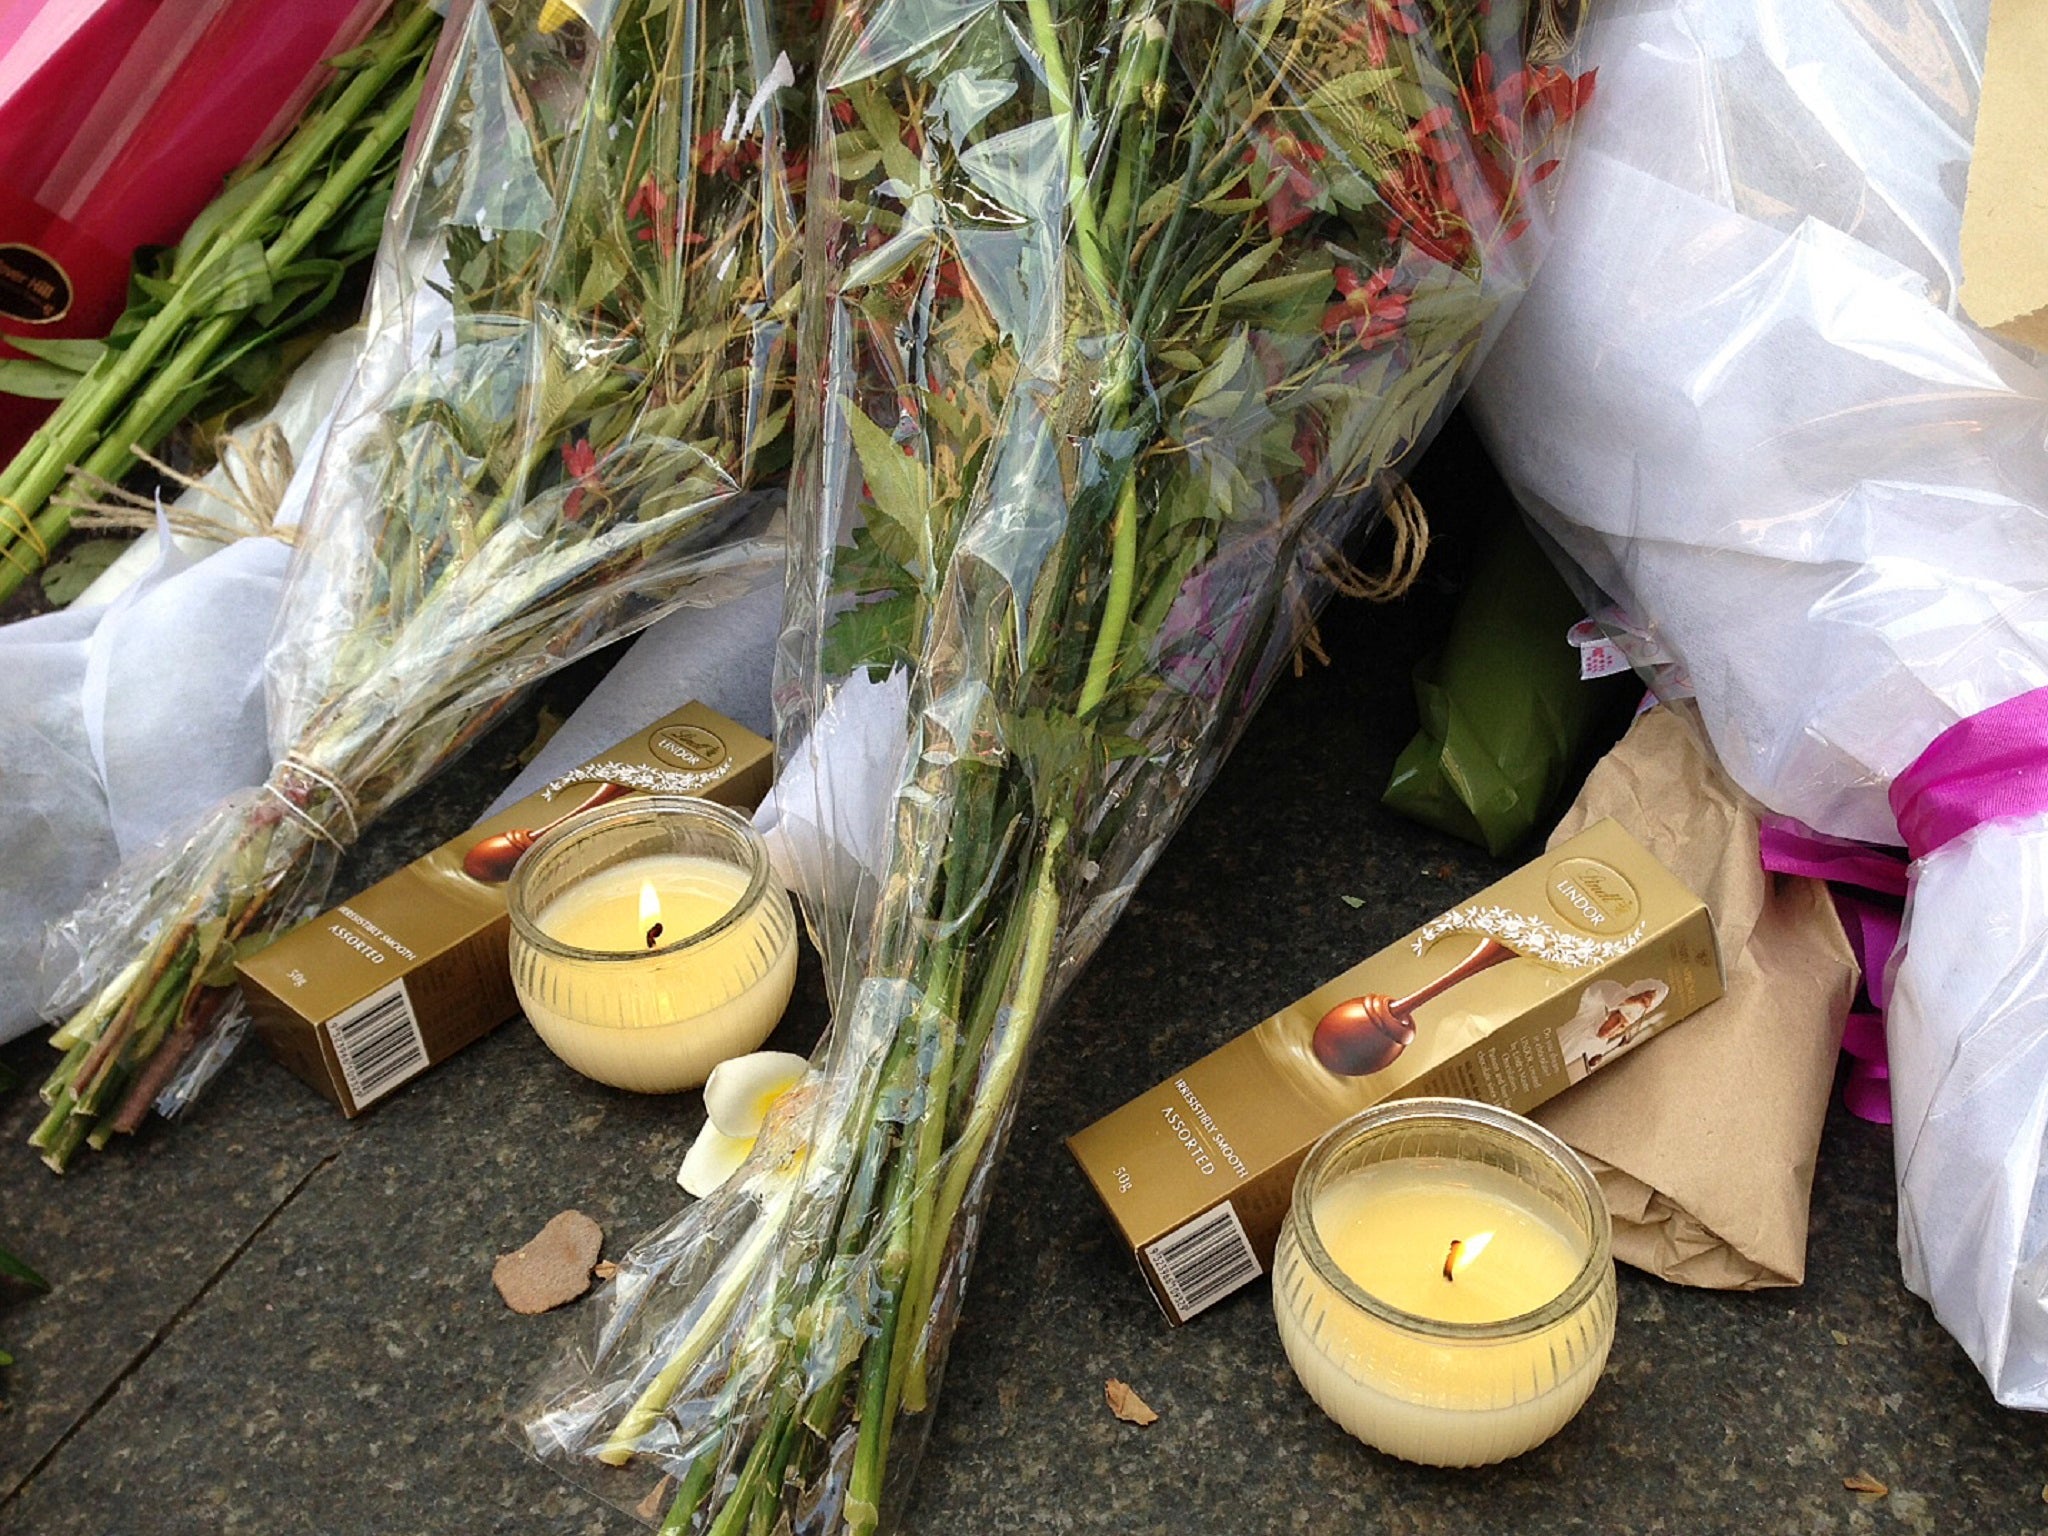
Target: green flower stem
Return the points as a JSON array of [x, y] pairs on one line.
[[46, 459], [654, 1398], [924, 1179], [1080, 202], [991, 1096], [754, 1482], [874, 1410], [1123, 571], [199, 355], [690, 1493]]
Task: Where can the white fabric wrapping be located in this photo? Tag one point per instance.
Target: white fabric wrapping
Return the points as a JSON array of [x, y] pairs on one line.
[[134, 713], [1741, 396]]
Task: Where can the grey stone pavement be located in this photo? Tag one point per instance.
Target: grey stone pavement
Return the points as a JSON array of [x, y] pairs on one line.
[[272, 1321]]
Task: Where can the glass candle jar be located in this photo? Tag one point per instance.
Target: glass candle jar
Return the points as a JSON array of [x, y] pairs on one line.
[[651, 941], [1444, 1281]]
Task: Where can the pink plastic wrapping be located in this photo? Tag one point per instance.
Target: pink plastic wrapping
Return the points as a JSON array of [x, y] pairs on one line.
[[119, 119]]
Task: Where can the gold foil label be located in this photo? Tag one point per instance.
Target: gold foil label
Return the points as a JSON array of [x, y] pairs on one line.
[[687, 746], [1593, 897], [32, 286]]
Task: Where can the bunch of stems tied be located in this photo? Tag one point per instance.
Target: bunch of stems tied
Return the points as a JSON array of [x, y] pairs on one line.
[[1118, 313], [571, 410]]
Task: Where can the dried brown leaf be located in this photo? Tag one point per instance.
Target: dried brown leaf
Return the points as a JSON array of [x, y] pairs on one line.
[[1125, 1403], [551, 1269], [649, 1508], [1863, 1482]]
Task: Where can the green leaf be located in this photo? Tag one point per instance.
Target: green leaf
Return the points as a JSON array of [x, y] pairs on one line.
[[216, 216], [1051, 747], [239, 279], [601, 280], [1244, 269], [897, 488], [1289, 304], [13, 1269], [874, 635], [865, 569], [34, 380], [75, 570], [1364, 85], [1223, 371], [76, 354]]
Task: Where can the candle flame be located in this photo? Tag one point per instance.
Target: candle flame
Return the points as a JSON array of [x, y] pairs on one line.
[[650, 911], [1463, 1251]]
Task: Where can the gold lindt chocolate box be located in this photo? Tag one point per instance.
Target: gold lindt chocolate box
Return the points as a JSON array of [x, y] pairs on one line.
[[1510, 997], [371, 994]]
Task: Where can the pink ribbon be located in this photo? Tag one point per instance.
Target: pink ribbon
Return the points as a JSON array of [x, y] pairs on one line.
[[1869, 888], [1988, 767]]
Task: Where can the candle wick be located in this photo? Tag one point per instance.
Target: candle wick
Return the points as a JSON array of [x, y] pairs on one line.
[[653, 934], [1451, 1259]]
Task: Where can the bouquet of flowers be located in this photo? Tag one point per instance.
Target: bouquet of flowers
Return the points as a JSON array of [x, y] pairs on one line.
[[1766, 429], [1118, 311], [573, 392], [205, 319]]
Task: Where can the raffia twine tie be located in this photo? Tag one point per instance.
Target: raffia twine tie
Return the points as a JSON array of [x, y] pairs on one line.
[[316, 800]]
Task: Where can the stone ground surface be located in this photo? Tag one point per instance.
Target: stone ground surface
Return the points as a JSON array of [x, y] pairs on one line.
[[270, 1321]]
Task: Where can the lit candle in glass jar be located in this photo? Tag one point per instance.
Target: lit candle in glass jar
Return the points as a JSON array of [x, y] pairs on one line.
[[1444, 1282], [651, 941]]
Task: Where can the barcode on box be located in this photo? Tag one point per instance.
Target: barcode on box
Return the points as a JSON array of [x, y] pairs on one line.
[[378, 1044], [1202, 1261]]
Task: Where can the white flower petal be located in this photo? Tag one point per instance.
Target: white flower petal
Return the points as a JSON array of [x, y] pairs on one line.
[[738, 1094], [712, 1159]]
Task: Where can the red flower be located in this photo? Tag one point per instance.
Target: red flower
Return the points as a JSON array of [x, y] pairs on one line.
[[1383, 18], [1549, 90], [715, 155], [1308, 443], [908, 286], [1426, 209], [651, 203], [579, 462], [1291, 187], [1370, 306], [1482, 104]]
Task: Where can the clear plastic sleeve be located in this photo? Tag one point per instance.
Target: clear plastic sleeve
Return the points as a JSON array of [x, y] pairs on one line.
[[571, 407], [1118, 311], [1744, 398]]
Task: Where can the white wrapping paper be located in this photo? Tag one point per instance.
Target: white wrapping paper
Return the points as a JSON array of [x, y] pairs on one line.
[[141, 706], [1742, 397]]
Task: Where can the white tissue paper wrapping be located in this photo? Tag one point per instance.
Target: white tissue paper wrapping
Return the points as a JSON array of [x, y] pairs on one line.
[[1742, 397], [140, 707]]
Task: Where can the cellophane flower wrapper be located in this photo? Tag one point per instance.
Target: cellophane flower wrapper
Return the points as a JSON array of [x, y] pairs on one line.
[[1117, 314], [1744, 398], [572, 405]]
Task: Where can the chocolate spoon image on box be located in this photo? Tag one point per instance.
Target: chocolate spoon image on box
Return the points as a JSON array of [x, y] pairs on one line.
[[1367, 1034], [490, 860]]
